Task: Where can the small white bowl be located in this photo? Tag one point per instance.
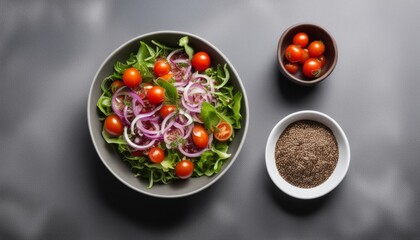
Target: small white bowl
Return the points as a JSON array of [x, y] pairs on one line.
[[339, 171]]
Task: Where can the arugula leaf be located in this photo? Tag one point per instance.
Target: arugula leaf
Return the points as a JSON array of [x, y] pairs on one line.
[[183, 42], [163, 46], [104, 104], [221, 150], [222, 76], [171, 94], [144, 54], [211, 161], [120, 67], [236, 110]]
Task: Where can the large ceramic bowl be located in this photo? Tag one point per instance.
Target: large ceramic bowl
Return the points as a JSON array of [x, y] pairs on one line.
[[110, 157], [337, 175]]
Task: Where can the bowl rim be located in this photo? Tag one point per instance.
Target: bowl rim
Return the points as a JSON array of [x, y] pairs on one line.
[[291, 76], [245, 124], [339, 172]]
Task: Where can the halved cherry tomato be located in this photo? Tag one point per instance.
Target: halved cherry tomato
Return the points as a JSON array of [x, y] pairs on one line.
[[161, 68], [223, 131], [201, 61], [166, 110], [113, 125], [132, 77], [156, 154], [200, 136], [156, 94], [293, 53], [184, 169], [115, 85], [316, 49], [312, 68], [301, 39], [291, 67]]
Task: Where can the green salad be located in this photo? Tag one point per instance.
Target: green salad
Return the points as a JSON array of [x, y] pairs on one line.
[[169, 112]]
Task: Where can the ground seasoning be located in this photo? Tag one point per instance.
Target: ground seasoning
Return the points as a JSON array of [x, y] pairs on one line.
[[306, 153]]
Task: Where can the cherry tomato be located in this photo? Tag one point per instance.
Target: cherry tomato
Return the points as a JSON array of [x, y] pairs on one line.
[[301, 39], [167, 76], [161, 68], [201, 61], [131, 77], [184, 169], [322, 60], [200, 136], [291, 67], [316, 49], [166, 110], [312, 68], [115, 85], [305, 56], [113, 125], [293, 53], [223, 131], [156, 154], [156, 94]]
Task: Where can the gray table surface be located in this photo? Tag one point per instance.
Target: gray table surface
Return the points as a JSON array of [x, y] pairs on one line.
[[54, 186]]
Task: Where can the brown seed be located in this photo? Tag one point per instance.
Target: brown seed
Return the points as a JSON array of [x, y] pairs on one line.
[[306, 153]]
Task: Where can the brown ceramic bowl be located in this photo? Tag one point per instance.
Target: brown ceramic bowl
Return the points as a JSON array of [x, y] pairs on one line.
[[315, 33]]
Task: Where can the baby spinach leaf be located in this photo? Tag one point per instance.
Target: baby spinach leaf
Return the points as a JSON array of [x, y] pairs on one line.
[[171, 94], [209, 115]]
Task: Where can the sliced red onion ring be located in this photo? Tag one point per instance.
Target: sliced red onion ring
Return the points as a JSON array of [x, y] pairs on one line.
[[153, 133], [191, 155], [126, 114], [117, 104], [171, 54], [209, 81], [188, 116], [189, 107], [143, 115], [134, 145], [172, 135], [196, 118], [164, 127]]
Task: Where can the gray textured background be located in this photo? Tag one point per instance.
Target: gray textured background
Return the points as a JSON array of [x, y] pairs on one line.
[[54, 186]]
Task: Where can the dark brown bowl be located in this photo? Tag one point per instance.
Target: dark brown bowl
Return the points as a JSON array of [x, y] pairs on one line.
[[315, 33]]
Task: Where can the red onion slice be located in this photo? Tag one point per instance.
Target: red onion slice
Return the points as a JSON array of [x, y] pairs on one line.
[[191, 155], [134, 145], [143, 115], [164, 127]]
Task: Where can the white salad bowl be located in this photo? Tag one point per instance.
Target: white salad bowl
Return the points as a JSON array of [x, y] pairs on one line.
[[111, 158], [339, 171]]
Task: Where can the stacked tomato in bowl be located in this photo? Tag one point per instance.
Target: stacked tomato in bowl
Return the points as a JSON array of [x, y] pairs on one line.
[[310, 57], [307, 54]]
